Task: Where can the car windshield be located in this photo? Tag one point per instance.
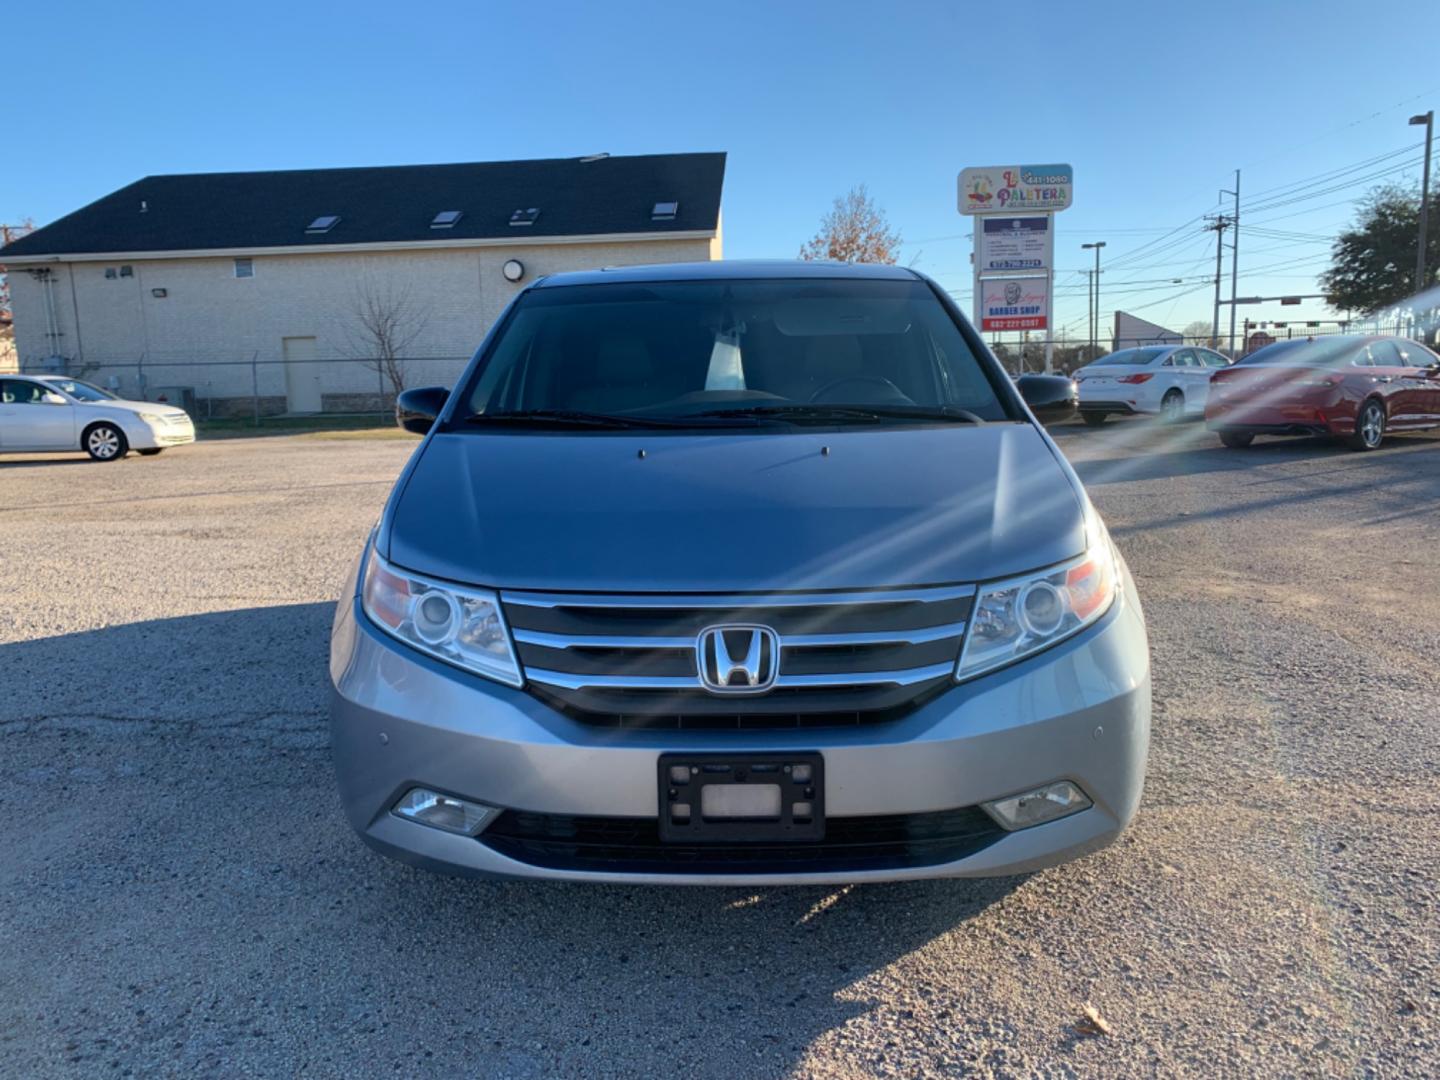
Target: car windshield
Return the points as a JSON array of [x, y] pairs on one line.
[[731, 353], [81, 391], [1312, 351], [1128, 356]]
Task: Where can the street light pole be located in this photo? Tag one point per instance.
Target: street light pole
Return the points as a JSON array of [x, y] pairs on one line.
[[1095, 297], [1428, 119]]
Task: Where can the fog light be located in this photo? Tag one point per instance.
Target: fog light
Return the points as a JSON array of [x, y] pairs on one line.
[[444, 811], [1057, 800]]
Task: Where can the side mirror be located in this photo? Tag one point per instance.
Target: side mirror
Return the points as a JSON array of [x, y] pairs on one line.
[[1051, 398], [416, 410], [50, 397]]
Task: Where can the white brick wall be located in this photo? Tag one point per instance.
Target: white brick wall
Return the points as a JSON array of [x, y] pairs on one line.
[[210, 324]]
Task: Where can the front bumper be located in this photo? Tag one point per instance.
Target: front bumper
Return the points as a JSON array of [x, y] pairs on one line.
[[1079, 711], [142, 436]]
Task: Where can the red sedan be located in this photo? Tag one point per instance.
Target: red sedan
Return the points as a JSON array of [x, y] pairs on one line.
[[1355, 388]]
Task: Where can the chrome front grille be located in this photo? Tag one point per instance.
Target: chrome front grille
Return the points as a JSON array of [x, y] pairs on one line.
[[844, 658]]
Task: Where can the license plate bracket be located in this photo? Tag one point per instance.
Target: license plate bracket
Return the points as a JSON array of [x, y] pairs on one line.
[[742, 807]]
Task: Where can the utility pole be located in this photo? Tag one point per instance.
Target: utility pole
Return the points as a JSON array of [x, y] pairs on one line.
[[1090, 310], [1219, 227], [1428, 119], [1095, 297], [1234, 258]]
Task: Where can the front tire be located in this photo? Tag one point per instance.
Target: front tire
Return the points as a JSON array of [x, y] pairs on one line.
[[106, 442], [1172, 407], [1237, 440], [1092, 419], [1369, 427]]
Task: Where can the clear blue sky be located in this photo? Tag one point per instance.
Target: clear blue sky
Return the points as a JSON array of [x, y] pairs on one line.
[[1154, 105]]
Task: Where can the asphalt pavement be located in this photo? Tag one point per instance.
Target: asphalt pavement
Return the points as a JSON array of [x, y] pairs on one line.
[[180, 896]]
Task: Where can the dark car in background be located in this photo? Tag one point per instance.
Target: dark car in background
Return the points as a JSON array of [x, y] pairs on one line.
[[1356, 388]]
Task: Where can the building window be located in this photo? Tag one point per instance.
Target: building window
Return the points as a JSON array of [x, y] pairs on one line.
[[126, 271], [110, 273], [244, 267]]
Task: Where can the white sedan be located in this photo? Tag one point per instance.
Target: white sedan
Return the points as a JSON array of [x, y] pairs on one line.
[[52, 412], [1172, 380]]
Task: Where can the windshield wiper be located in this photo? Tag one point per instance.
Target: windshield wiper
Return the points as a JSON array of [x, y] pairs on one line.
[[567, 418], [576, 418], [826, 414]]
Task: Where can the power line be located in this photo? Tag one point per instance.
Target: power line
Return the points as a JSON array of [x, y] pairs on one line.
[[1275, 192], [1278, 202], [1344, 127]]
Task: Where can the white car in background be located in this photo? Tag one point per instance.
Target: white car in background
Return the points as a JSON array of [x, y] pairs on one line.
[[53, 412], [1171, 380]]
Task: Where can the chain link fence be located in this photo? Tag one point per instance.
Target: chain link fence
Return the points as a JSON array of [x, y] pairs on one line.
[[247, 386]]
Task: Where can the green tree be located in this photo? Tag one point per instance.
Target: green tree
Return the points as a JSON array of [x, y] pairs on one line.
[[1372, 264], [855, 231]]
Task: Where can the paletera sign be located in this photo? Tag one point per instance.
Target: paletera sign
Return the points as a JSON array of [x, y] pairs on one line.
[[1012, 189], [1014, 303]]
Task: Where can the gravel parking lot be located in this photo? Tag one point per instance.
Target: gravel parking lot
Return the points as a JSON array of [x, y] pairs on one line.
[[179, 894]]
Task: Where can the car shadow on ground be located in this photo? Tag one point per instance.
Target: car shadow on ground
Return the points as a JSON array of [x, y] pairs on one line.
[[225, 713]]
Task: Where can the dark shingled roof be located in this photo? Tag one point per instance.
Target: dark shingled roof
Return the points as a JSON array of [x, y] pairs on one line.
[[393, 203]]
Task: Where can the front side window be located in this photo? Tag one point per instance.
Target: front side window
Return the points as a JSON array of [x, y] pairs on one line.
[[706, 352], [1384, 354], [82, 391]]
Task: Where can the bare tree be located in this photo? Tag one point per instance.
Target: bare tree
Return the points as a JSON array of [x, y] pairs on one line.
[[387, 321], [10, 233], [854, 231], [1197, 333]]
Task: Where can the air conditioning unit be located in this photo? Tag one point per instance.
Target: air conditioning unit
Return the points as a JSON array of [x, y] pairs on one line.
[[182, 397]]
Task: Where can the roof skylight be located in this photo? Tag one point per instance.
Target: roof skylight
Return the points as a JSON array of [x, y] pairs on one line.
[[524, 217], [446, 219], [664, 211], [323, 224]]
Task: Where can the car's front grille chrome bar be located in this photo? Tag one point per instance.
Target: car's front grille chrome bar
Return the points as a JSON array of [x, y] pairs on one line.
[[733, 601], [908, 677], [790, 641]]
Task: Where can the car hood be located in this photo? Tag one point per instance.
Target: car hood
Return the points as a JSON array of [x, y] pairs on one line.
[[737, 511], [122, 405]]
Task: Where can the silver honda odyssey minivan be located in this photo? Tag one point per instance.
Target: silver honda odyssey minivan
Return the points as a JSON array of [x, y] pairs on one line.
[[737, 572]]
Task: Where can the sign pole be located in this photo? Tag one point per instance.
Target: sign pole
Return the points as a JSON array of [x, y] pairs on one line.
[[1050, 324]]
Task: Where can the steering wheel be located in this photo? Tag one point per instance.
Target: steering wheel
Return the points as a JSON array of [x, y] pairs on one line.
[[894, 392]]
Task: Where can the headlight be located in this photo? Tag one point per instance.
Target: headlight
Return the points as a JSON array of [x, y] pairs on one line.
[[459, 625], [1013, 619], [153, 419]]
